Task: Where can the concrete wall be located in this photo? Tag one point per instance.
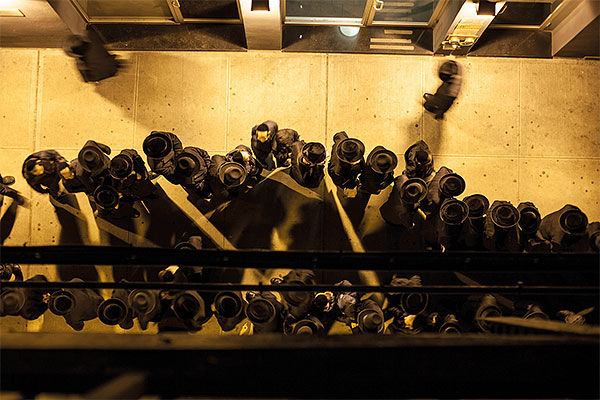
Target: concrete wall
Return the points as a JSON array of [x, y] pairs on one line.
[[521, 130]]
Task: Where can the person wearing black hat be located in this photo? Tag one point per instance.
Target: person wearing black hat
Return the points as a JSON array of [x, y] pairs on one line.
[[501, 232], [529, 222], [565, 229], [42, 171], [130, 176], [5, 190], [379, 170], [478, 205], [308, 163], [419, 162], [262, 140], [111, 204], [404, 202], [91, 167], [161, 149], [282, 146], [593, 234], [243, 155], [191, 169], [347, 161], [444, 185], [451, 75], [93, 61]]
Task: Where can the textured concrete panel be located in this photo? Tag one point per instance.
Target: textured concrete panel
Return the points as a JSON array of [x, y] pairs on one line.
[[376, 99], [18, 84], [72, 111], [484, 118], [14, 219], [560, 108], [494, 177], [551, 183], [287, 88], [183, 93]]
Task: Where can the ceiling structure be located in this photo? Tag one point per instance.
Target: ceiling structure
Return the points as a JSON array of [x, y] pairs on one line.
[[513, 28]]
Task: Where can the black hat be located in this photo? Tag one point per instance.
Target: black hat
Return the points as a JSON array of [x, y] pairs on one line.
[[121, 166], [61, 302], [370, 320], [593, 231], [382, 160], [143, 301], [187, 164], [350, 150], [106, 197], [261, 311], [228, 304], [414, 303], [530, 219], [448, 69], [478, 205], [12, 301], [314, 152], [422, 156], [232, 174], [157, 145], [189, 305], [30, 164], [454, 212], [308, 326], [573, 222], [112, 311], [262, 127], [452, 185], [413, 191], [91, 158], [505, 216]]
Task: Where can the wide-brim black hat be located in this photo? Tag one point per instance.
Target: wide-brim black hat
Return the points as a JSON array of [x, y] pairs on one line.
[[187, 164], [106, 197], [91, 158], [529, 219], [370, 320], [454, 212], [452, 185], [505, 216], [232, 174], [143, 301], [314, 152], [12, 301], [260, 311], [306, 327], [382, 160], [188, 305], [350, 150], [414, 303], [157, 145], [121, 166], [229, 304], [478, 205], [573, 222], [112, 311], [413, 191]]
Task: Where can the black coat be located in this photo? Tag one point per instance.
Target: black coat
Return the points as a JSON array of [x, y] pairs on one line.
[[262, 149], [48, 181]]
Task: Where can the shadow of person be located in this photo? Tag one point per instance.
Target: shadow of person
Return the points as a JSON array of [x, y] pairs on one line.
[[73, 231], [355, 207], [7, 222]]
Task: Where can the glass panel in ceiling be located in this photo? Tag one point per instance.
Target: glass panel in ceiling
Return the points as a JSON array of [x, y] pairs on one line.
[[218, 9], [126, 8], [523, 14], [325, 8], [406, 11]]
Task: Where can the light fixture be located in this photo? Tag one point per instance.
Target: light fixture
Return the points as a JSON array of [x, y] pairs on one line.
[[349, 31], [260, 5]]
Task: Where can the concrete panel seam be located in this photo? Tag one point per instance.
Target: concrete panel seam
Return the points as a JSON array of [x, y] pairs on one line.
[[135, 97], [228, 102], [519, 140], [37, 104], [326, 95]]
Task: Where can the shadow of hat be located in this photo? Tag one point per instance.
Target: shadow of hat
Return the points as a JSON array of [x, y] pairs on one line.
[[90, 158], [382, 160], [529, 219], [505, 216], [350, 150], [106, 197], [157, 145], [478, 205], [573, 222], [413, 191], [121, 166], [452, 185], [187, 164], [232, 174], [454, 212]]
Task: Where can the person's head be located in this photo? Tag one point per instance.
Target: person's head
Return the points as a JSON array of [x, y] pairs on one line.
[[351, 151], [34, 167], [313, 153], [262, 133], [382, 160], [232, 174], [121, 167], [448, 70], [91, 158], [157, 145], [186, 164]]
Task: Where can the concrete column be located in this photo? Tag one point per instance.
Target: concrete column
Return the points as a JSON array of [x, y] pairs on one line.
[[263, 28]]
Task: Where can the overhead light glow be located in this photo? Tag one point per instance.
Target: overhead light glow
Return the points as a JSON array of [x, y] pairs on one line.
[[349, 31]]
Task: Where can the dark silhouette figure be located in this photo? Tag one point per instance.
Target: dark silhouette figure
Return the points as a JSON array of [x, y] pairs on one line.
[[347, 161], [419, 161], [161, 149], [42, 171], [282, 146], [379, 170], [451, 75], [262, 140], [130, 176], [308, 163], [93, 61]]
